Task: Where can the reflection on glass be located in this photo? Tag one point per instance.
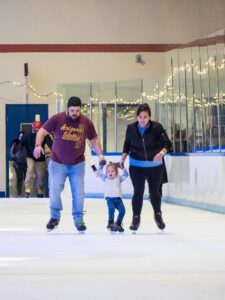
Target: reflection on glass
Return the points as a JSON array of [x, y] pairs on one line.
[[189, 101]]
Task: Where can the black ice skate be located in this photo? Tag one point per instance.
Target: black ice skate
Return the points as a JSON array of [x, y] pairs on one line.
[[80, 226], [119, 227], [135, 223], [52, 224], [110, 224], [159, 220]]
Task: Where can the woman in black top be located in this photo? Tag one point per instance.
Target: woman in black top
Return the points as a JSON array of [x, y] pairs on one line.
[[18, 155], [146, 143]]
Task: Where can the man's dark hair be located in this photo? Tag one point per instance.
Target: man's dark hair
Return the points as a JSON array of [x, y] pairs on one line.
[[74, 101], [144, 107]]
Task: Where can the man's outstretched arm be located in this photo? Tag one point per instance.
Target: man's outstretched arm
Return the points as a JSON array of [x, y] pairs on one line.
[[38, 150]]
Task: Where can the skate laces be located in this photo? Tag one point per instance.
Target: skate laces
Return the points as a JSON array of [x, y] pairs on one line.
[[80, 223], [159, 221], [136, 220], [158, 217], [53, 221]]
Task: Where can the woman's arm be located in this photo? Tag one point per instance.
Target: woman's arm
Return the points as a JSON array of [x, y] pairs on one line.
[[126, 148]]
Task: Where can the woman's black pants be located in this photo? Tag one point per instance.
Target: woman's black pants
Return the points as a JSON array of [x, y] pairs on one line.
[[21, 171], [154, 177]]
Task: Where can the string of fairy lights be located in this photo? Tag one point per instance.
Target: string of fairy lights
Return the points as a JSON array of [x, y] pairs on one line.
[[167, 94], [31, 88]]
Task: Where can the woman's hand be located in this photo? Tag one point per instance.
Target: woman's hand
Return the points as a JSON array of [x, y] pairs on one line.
[[159, 156], [122, 160]]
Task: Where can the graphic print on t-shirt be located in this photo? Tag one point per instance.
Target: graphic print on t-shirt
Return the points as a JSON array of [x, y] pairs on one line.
[[75, 134]]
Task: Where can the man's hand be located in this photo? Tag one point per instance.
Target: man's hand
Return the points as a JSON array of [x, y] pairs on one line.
[[38, 151]]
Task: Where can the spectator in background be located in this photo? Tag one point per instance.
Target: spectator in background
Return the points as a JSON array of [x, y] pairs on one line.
[[18, 155], [35, 166]]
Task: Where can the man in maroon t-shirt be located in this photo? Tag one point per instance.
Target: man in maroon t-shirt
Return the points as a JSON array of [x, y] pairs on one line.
[[70, 130]]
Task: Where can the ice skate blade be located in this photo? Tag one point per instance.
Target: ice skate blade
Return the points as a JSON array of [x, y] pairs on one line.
[[81, 232], [49, 230], [134, 231], [161, 229], [117, 232]]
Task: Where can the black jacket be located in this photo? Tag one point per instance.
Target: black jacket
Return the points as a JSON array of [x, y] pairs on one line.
[[28, 140], [18, 153], [147, 146]]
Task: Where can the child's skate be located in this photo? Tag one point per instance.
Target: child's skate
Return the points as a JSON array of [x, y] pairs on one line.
[[110, 225], [117, 227]]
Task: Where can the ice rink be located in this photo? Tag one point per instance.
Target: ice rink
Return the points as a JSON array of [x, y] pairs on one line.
[[185, 262]]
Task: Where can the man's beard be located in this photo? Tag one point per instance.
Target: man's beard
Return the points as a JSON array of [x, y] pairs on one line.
[[74, 118]]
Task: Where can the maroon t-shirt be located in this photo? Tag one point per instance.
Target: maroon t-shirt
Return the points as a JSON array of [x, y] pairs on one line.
[[69, 137]]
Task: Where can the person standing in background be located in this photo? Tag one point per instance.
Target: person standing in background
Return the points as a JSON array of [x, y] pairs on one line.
[[19, 157], [35, 165]]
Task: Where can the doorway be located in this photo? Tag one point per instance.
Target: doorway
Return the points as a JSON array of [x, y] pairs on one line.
[[19, 117]]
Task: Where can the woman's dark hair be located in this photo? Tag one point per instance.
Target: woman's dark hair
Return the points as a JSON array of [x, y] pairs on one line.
[[21, 132], [144, 107]]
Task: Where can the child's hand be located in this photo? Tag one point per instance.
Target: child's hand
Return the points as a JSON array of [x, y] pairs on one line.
[[102, 163], [120, 165]]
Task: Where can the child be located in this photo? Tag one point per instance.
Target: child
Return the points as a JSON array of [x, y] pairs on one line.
[[113, 193]]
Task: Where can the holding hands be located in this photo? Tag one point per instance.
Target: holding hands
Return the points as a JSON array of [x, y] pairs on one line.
[[120, 165], [102, 161]]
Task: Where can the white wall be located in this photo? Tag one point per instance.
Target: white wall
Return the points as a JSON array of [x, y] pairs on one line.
[[196, 181], [109, 22]]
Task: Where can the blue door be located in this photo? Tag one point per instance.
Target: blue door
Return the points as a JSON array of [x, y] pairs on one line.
[[20, 117]]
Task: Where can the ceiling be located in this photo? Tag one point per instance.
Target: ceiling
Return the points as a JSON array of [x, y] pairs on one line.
[[109, 22]]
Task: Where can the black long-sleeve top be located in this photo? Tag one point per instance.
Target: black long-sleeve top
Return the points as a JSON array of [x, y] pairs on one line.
[[147, 146]]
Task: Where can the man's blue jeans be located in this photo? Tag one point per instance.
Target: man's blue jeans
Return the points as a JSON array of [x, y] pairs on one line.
[[57, 177]]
